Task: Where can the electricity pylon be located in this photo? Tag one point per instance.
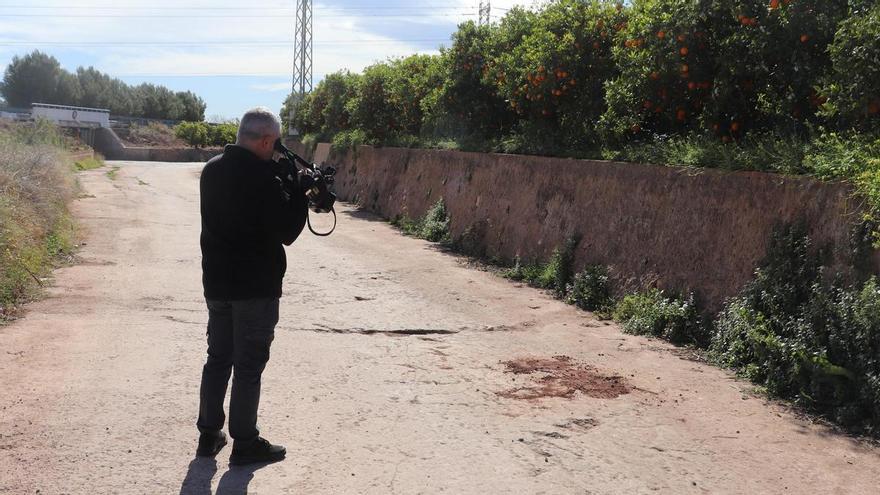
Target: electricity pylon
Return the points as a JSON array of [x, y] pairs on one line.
[[302, 57], [485, 13]]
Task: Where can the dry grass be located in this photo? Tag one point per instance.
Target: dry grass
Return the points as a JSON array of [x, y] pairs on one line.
[[36, 184], [154, 134]]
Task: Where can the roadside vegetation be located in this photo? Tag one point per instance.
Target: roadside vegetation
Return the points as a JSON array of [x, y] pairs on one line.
[[203, 134], [37, 181], [153, 134], [796, 330], [781, 86]]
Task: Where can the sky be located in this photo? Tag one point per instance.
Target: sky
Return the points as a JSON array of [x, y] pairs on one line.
[[235, 55]]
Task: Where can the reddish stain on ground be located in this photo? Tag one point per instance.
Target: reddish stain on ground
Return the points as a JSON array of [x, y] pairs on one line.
[[562, 377]]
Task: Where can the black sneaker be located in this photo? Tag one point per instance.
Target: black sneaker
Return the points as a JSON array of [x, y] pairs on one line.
[[210, 443], [259, 450]]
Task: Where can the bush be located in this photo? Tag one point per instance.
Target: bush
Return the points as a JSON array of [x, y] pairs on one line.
[[434, 226], [590, 289], [346, 140], [222, 134], [554, 275], [195, 134], [653, 313], [805, 338]]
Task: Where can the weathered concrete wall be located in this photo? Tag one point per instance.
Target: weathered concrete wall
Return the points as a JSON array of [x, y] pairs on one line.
[[677, 228], [112, 148]]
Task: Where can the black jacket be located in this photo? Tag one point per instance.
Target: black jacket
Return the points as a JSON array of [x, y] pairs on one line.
[[247, 214]]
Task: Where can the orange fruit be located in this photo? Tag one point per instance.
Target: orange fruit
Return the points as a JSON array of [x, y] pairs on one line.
[[734, 126], [874, 107], [636, 128], [684, 51], [774, 4], [685, 68], [680, 115], [804, 38], [661, 34], [655, 75]]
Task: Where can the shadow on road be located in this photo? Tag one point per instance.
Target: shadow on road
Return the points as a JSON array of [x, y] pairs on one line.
[[198, 477], [234, 481]]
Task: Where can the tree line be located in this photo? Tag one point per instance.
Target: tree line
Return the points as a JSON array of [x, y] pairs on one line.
[[39, 78], [578, 77]]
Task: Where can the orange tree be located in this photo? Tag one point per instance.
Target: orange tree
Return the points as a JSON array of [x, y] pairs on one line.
[[412, 80], [323, 110], [553, 75], [770, 56], [467, 105], [666, 70], [728, 66], [853, 88], [387, 102]]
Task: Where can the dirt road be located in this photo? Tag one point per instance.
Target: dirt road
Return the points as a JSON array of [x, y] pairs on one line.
[[395, 369]]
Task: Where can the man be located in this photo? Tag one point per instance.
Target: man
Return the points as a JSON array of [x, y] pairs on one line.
[[248, 212]]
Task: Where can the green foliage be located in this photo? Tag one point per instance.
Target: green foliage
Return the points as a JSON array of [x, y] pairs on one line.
[[222, 134], [654, 313], [590, 289], [853, 88], [346, 140], [195, 134], [39, 78], [555, 274], [201, 134], [323, 111], [803, 337], [853, 157], [88, 164], [434, 226]]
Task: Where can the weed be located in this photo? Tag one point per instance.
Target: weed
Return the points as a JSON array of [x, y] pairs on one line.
[[654, 313], [113, 173], [590, 289], [88, 164], [434, 226]]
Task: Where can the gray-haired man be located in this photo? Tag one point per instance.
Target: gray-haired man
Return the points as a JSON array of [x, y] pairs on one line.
[[247, 217]]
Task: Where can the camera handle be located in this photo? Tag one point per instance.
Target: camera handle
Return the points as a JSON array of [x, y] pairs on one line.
[[309, 168]]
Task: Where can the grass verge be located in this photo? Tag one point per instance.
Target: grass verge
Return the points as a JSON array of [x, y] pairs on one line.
[[36, 230]]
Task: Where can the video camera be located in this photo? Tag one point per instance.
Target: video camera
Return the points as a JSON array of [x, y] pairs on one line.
[[313, 180]]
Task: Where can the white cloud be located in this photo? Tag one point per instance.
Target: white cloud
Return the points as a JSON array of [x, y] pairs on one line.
[[271, 87], [151, 46]]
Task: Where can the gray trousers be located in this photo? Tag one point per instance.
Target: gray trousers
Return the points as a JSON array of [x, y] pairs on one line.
[[239, 336]]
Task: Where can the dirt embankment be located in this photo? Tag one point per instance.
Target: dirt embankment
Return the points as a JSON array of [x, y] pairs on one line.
[[676, 228]]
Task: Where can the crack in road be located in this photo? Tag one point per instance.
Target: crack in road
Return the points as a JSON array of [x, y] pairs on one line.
[[372, 331]]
